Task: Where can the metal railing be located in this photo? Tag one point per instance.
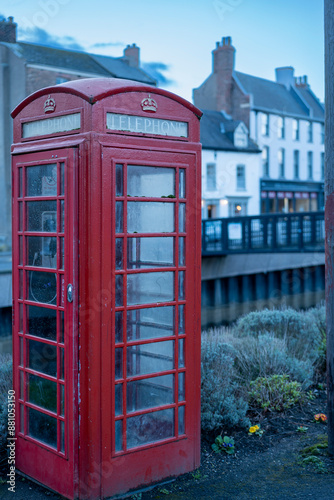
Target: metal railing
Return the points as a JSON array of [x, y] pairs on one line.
[[295, 232]]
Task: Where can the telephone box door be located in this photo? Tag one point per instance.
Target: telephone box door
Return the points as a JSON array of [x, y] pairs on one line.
[[150, 386], [44, 208]]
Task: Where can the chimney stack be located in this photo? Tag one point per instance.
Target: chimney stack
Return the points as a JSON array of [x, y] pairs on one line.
[[223, 66], [131, 53], [8, 30], [285, 76]]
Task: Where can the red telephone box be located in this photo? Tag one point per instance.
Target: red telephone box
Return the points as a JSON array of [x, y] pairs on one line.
[[106, 281]]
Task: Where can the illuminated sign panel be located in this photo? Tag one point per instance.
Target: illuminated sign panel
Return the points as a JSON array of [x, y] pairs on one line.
[[145, 125], [48, 126]]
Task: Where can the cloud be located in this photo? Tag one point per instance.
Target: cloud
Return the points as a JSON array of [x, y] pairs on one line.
[[106, 45], [157, 70], [42, 37]]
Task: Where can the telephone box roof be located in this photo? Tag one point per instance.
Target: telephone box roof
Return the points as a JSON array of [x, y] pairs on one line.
[[96, 89]]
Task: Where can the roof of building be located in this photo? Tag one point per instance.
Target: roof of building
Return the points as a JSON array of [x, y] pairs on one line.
[[81, 62], [271, 96], [217, 133]]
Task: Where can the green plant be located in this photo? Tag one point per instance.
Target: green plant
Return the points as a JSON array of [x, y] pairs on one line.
[[225, 444], [302, 428], [275, 393]]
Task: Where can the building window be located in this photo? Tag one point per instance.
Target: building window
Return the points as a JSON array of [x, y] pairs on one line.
[[296, 164], [265, 161], [295, 130], [309, 132], [281, 162], [211, 176], [265, 124], [322, 165], [322, 133], [280, 127], [241, 177], [237, 208], [310, 164]]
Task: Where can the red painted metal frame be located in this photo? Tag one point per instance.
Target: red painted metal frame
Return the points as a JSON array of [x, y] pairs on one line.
[[96, 472]]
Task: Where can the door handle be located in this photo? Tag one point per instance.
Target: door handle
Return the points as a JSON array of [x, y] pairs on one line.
[[70, 292]]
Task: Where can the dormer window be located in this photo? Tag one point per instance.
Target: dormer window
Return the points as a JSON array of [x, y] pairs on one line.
[[240, 137]]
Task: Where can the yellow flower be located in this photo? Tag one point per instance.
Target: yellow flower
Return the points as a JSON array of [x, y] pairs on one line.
[[257, 427], [253, 429]]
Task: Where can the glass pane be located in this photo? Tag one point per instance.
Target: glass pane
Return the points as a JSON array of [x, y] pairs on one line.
[[42, 322], [182, 217], [62, 364], [182, 255], [181, 420], [181, 320], [181, 285], [20, 216], [119, 290], [118, 435], [61, 333], [21, 350], [119, 253], [119, 180], [20, 183], [181, 353], [21, 384], [119, 217], [150, 358], [150, 217], [42, 216], [42, 251], [146, 288], [118, 327], [61, 246], [150, 323], [151, 392], [62, 180], [41, 180], [21, 317], [151, 181], [118, 363], [20, 250], [62, 436], [182, 386], [62, 399], [20, 284], [62, 216], [118, 399], [42, 427], [149, 428], [182, 187], [42, 287], [21, 418], [42, 392], [144, 253], [42, 357]]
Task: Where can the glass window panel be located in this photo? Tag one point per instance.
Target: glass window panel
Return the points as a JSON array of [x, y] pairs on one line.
[[118, 435], [182, 254], [149, 428], [181, 285], [181, 320], [144, 253], [20, 216], [21, 384], [61, 327], [21, 350], [62, 436], [182, 386], [118, 327], [182, 186], [42, 287], [150, 217], [42, 357], [21, 419], [118, 399], [20, 284], [181, 420], [41, 180], [42, 251], [42, 216], [119, 253], [146, 288], [21, 317], [118, 363], [62, 216], [150, 392], [61, 246], [151, 181], [119, 217], [182, 217], [61, 364], [42, 322], [20, 183], [119, 290], [42, 427], [181, 353], [42, 392], [150, 358], [20, 250], [119, 180], [62, 399], [62, 180], [150, 323]]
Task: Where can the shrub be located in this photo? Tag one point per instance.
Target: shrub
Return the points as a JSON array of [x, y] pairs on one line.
[[5, 386], [275, 393], [221, 401]]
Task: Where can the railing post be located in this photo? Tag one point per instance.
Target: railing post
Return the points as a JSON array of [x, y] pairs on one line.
[[300, 232]]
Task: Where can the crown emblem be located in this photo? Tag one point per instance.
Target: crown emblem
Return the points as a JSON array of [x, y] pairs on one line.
[[49, 105], [149, 104]]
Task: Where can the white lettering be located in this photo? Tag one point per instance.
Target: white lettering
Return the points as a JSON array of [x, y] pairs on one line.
[[138, 124], [49, 126]]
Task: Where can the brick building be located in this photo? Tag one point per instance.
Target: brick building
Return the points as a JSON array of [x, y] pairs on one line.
[[285, 120]]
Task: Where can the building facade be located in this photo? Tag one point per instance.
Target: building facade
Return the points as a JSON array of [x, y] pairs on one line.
[[286, 121]]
